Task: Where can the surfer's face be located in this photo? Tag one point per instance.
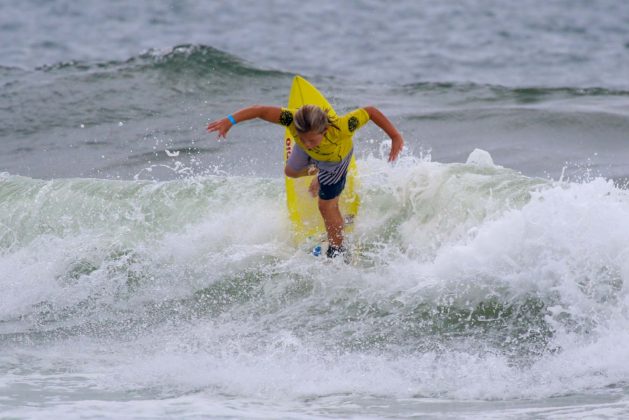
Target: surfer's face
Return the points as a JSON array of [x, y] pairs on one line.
[[311, 139]]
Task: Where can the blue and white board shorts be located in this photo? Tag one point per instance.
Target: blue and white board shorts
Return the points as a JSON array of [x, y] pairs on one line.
[[332, 175]]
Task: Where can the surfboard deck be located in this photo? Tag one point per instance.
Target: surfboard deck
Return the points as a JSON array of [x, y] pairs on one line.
[[303, 209]]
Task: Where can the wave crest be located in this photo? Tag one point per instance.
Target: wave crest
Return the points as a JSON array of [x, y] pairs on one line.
[[185, 58]]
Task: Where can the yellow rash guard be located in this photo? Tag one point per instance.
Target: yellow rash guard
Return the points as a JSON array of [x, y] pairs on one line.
[[337, 141]]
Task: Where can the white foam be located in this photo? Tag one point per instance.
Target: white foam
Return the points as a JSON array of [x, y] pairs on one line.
[[480, 157], [272, 323]]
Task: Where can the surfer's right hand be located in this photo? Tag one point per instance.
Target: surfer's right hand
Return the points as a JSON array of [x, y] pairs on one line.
[[222, 126]]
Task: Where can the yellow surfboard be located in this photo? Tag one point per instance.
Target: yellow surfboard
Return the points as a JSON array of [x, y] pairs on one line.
[[302, 206]]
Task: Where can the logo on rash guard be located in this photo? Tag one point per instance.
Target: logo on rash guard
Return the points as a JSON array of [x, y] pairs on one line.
[[352, 124], [286, 118]]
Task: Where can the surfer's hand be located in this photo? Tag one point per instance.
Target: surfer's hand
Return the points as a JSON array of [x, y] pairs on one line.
[[222, 126], [314, 187], [397, 143]]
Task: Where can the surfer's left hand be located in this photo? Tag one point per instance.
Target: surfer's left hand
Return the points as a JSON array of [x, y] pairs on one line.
[[397, 143]]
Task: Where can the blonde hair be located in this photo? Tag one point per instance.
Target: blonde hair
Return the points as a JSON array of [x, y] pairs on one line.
[[312, 118]]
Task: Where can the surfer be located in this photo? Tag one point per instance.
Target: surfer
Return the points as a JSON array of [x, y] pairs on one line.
[[323, 147]]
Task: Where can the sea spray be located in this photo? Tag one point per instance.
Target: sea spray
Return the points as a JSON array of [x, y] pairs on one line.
[[472, 281]]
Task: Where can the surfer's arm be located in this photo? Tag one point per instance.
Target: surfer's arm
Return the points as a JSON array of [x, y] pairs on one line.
[[397, 142], [264, 112]]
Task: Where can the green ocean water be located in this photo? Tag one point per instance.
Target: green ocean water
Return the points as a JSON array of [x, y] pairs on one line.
[[148, 270]]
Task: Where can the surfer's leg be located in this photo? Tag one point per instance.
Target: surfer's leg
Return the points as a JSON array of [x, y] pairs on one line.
[[332, 218], [333, 221], [297, 164], [292, 173]]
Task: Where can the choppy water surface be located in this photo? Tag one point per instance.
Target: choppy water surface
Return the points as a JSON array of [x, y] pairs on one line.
[[148, 270]]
